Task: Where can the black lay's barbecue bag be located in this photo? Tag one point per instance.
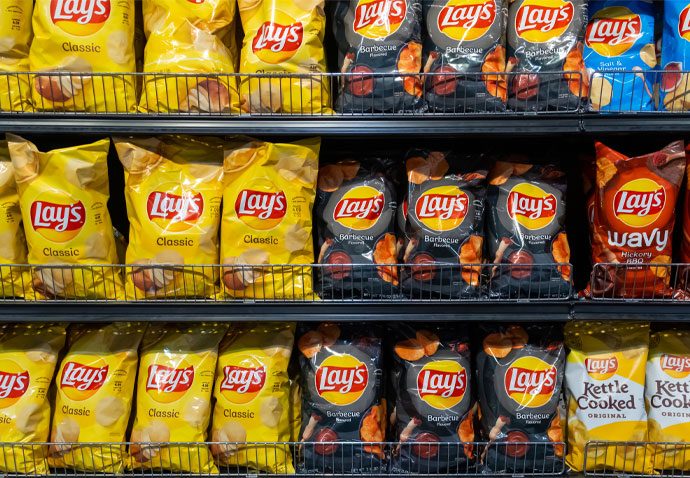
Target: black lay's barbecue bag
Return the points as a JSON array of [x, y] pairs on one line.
[[355, 215], [443, 220], [379, 40], [343, 410], [434, 403], [526, 231], [465, 40], [520, 373]]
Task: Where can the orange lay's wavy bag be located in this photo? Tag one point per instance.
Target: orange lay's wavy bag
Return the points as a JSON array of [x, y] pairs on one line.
[[284, 37], [174, 189], [84, 37], [63, 196], [15, 39], [28, 355], [176, 372], [267, 218], [95, 385]]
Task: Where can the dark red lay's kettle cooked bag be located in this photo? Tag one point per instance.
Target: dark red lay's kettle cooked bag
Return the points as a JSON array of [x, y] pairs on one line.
[[520, 373], [434, 406], [379, 37], [444, 226], [343, 411], [545, 39], [465, 39]]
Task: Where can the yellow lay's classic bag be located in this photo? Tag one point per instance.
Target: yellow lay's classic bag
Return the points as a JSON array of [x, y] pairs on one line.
[[84, 37], [252, 394], [174, 389], [605, 379], [95, 385], [174, 189], [14, 281], [267, 218], [64, 201], [284, 37], [28, 355], [666, 393], [15, 39]]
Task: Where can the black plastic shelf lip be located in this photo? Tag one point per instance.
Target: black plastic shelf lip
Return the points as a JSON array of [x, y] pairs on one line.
[[648, 311], [636, 123]]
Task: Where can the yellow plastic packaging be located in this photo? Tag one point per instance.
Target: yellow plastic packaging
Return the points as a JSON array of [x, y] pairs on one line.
[[174, 189], [84, 37], [63, 196], [252, 394], [605, 379], [286, 38], [14, 281], [666, 394], [174, 389], [15, 39], [28, 355], [267, 218], [95, 385]]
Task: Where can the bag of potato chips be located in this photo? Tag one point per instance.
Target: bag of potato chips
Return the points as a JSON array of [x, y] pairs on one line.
[[666, 393], [14, 281], [173, 188], [267, 218], [63, 196], [28, 355], [95, 385], [284, 38], [176, 370], [605, 378], [252, 394], [83, 38], [15, 39]]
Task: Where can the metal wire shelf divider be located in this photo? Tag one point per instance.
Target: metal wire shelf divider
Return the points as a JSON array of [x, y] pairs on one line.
[[637, 459], [653, 282]]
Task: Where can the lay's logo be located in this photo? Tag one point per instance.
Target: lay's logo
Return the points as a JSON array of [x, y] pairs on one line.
[[442, 208], [466, 20], [57, 222], [360, 208], [170, 207], [13, 385], [639, 202], [531, 206], [684, 23], [341, 379], [243, 379], [378, 19], [80, 17], [613, 31], [538, 21], [530, 382], [601, 368], [83, 377], [676, 366], [164, 379], [278, 40], [262, 210], [442, 384]]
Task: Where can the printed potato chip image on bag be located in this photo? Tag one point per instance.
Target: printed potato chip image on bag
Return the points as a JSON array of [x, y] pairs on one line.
[[83, 38], [605, 379], [675, 57], [284, 38], [95, 384], [28, 356], [267, 218], [174, 189], [15, 40], [176, 371], [252, 395], [63, 196]]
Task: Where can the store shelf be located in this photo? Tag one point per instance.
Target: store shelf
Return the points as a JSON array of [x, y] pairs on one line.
[[636, 123]]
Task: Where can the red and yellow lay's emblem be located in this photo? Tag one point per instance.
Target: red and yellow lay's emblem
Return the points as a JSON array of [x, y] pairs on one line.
[[531, 382], [467, 20], [378, 19], [613, 31], [531, 206], [80, 17], [261, 209], [538, 21], [640, 202], [277, 40], [14, 382], [676, 366], [243, 381], [601, 368], [81, 377], [341, 379], [58, 221], [174, 212], [442, 383], [360, 208], [684, 23], [442, 208], [167, 384]]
